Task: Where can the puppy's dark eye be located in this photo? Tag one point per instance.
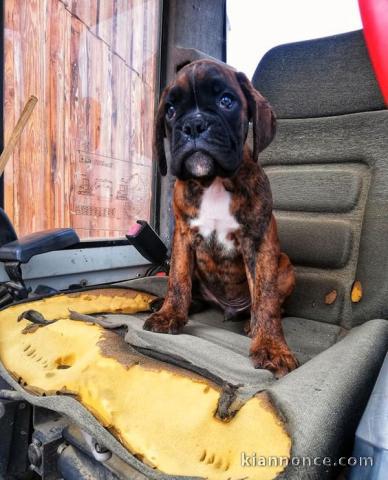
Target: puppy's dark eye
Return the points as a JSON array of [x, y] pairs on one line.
[[170, 112], [226, 101]]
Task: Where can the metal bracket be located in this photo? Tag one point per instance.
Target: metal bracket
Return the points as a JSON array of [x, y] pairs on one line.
[[16, 287]]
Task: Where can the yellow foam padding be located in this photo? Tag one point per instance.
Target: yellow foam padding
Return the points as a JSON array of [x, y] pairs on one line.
[[162, 414]]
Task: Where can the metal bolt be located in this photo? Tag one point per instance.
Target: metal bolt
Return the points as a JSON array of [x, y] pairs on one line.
[[100, 448], [35, 454], [61, 448]]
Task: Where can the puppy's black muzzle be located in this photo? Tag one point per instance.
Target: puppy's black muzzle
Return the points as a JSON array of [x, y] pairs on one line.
[[202, 145]]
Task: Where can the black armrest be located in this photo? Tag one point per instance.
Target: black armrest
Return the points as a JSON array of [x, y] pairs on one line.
[[25, 248], [7, 232]]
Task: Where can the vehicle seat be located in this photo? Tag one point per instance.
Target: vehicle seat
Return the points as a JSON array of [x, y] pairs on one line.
[[328, 168]]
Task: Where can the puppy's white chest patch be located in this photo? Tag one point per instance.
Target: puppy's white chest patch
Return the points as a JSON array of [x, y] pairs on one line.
[[214, 215]]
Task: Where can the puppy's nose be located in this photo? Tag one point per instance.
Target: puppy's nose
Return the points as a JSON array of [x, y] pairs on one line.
[[195, 126]]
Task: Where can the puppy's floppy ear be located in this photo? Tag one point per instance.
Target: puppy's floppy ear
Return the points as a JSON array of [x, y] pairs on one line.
[[261, 115], [160, 134]]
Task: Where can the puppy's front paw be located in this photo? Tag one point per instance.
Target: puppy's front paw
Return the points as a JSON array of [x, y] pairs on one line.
[[162, 323], [274, 356]]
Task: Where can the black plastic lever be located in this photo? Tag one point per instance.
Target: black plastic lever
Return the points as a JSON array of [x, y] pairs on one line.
[[147, 242]]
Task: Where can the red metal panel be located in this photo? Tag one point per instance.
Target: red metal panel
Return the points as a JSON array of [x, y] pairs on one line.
[[374, 14]]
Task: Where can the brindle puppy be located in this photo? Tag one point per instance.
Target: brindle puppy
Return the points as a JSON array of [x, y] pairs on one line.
[[225, 240]]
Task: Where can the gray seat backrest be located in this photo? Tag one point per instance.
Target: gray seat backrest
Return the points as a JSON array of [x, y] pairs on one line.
[[328, 168]]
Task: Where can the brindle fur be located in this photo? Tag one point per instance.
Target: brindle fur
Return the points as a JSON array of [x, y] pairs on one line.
[[254, 276]]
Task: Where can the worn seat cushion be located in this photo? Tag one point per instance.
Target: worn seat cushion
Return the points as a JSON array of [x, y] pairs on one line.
[[325, 388]]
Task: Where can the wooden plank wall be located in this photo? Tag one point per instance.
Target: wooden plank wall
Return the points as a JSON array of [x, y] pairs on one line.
[[85, 158]]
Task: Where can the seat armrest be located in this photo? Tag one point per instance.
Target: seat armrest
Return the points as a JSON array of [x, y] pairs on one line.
[[25, 248]]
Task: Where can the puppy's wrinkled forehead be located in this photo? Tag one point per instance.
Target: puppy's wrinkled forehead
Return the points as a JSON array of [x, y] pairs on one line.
[[203, 78]]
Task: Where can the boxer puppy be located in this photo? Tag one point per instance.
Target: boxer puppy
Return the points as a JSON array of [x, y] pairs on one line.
[[225, 243]]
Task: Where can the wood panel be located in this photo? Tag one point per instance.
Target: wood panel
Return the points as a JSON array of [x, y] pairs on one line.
[[85, 159]]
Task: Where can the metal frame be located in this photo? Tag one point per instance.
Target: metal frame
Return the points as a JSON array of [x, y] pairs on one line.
[[82, 266]]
